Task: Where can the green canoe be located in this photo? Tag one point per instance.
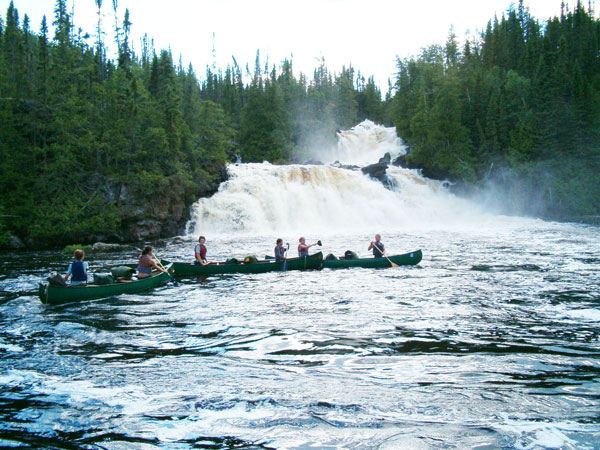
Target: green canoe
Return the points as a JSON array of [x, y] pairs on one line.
[[401, 260], [195, 270], [64, 294]]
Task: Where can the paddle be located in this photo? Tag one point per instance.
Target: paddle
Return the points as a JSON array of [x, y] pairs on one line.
[[384, 255], [284, 265], [317, 243], [167, 272]]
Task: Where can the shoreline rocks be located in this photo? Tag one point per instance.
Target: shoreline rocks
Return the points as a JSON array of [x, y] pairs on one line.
[[14, 243], [102, 247], [143, 218]]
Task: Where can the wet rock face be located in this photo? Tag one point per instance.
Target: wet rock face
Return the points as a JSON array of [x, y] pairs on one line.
[[14, 243], [378, 169], [429, 172], [339, 165], [106, 247], [400, 161], [160, 218], [145, 219]]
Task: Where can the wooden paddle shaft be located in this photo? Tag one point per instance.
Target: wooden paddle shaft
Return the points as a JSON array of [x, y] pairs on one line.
[[385, 256]]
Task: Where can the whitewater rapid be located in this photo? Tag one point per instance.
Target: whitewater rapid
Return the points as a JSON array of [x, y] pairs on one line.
[[365, 144], [328, 199]]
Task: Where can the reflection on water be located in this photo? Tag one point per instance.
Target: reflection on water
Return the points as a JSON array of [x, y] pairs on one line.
[[492, 341]]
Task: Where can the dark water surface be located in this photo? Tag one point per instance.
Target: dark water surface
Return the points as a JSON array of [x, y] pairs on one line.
[[492, 341]]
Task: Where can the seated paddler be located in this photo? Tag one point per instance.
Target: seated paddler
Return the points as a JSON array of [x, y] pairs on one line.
[[280, 250], [77, 270], [200, 252], [303, 248], [146, 263]]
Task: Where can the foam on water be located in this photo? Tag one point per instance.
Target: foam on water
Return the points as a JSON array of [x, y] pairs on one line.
[[365, 144], [490, 342], [529, 436], [265, 198]]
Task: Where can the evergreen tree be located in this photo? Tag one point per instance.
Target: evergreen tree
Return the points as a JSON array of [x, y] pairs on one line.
[[523, 96]]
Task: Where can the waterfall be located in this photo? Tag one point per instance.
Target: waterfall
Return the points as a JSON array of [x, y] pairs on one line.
[[365, 144], [265, 198]]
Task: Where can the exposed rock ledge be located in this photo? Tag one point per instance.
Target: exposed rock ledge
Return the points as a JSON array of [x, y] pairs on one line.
[[378, 169]]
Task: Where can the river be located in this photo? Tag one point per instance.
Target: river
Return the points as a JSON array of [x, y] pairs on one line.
[[492, 341]]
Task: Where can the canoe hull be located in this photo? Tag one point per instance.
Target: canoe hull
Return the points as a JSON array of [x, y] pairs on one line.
[[54, 295], [192, 270], [411, 258]]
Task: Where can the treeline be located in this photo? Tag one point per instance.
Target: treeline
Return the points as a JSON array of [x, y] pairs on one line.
[[517, 108], [280, 117], [96, 148], [88, 144], [93, 147]]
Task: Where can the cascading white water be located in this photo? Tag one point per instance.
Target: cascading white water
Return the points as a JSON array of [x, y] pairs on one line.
[[265, 198], [365, 144]]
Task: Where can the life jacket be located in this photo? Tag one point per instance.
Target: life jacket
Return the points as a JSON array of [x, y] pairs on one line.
[[78, 272], [378, 249], [201, 248], [279, 253]]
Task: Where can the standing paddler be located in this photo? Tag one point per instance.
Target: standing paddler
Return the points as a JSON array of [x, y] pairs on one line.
[[377, 247]]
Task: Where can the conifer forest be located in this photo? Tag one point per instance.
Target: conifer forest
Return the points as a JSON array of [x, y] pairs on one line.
[[90, 142]]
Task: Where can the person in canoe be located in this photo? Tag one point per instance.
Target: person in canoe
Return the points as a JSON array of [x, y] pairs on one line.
[[200, 252], [303, 248], [77, 270], [280, 250], [146, 263], [377, 247]]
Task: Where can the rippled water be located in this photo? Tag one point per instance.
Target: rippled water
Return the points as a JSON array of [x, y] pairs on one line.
[[492, 341]]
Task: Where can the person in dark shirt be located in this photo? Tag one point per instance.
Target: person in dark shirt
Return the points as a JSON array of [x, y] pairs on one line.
[[377, 247], [280, 250], [77, 269]]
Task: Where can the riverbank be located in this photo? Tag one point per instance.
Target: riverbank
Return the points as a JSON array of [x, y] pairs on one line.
[[123, 215]]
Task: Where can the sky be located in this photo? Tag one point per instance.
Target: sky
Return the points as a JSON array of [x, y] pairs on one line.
[[367, 34]]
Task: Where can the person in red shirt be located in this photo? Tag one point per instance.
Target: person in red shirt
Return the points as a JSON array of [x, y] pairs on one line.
[[200, 252]]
